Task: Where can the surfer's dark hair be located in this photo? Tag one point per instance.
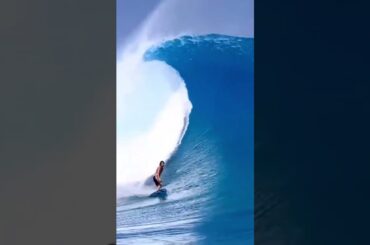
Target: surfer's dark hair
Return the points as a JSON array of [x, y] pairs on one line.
[[161, 162]]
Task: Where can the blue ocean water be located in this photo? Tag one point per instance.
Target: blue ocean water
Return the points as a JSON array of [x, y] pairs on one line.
[[209, 178]]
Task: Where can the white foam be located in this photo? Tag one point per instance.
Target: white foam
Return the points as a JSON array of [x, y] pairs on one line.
[[153, 95]]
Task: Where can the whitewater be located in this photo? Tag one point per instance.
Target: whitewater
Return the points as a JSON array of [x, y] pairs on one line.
[[144, 88]]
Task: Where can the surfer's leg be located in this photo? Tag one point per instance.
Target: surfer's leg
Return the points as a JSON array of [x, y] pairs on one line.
[[159, 185], [155, 181]]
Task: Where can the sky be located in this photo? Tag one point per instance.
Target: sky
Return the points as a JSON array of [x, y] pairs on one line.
[[130, 14], [173, 17]]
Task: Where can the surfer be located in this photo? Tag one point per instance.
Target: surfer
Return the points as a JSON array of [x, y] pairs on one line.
[[157, 176]]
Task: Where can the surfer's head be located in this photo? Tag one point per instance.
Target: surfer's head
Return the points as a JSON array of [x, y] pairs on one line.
[[161, 163]]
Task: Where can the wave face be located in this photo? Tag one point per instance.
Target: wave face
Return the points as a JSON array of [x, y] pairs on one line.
[[209, 177]]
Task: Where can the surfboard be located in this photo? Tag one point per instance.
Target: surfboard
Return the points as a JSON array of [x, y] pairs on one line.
[[162, 193]]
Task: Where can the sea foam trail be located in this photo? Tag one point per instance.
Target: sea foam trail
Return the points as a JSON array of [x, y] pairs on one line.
[[153, 108]]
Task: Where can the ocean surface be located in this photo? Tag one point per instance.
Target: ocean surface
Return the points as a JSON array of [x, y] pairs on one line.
[[209, 176]]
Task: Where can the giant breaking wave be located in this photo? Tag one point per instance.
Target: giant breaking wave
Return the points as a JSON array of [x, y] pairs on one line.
[[209, 175]]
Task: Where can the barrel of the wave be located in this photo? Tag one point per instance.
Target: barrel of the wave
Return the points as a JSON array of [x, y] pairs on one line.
[[218, 72]]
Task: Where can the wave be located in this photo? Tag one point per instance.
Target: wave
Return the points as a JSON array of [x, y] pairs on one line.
[[152, 115], [209, 176], [199, 89]]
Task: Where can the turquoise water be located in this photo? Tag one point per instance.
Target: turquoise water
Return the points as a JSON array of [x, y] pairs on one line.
[[209, 179]]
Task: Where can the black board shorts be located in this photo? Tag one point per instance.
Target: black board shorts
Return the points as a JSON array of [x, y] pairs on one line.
[[156, 181]]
